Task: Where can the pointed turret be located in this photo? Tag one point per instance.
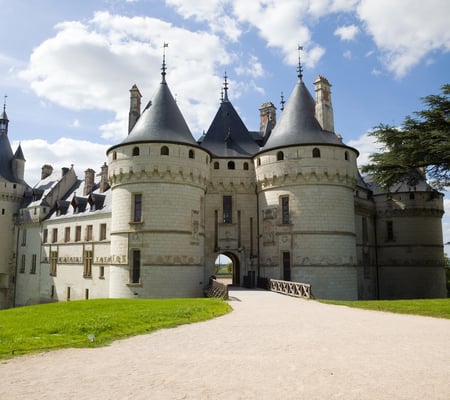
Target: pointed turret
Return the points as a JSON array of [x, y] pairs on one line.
[[227, 135], [18, 164], [4, 121], [162, 121]]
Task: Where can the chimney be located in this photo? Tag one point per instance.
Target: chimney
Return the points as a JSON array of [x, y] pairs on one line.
[[104, 185], [324, 108], [135, 107], [267, 114], [46, 171], [64, 170], [89, 181]]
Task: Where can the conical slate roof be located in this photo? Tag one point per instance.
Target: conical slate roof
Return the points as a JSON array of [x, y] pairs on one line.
[[298, 124], [227, 135], [6, 156], [161, 122]]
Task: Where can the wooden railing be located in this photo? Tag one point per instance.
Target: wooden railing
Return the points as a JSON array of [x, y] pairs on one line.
[[217, 289], [295, 289]]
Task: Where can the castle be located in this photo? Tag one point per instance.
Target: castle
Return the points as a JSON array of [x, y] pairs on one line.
[[285, 202]]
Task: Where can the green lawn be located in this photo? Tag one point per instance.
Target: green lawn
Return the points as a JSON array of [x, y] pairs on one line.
[[439, 308], [72, 324]]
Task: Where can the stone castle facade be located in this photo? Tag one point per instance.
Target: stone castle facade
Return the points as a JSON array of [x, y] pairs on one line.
[[285, 202]]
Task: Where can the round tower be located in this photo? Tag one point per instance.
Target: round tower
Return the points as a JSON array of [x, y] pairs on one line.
[[158, 177], [409, 240], [12, 188], [305, 181]]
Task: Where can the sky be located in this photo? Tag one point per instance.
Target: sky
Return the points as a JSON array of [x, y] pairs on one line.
[[66, 66]]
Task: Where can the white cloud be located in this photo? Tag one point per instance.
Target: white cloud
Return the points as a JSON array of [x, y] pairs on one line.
[[348, 32], [253, 68], [92, 65], [406, 30], [64, 152], [75, 123], [348, 54], [366, 145]]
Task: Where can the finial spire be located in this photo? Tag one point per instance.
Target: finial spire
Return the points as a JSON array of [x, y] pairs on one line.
[[163, 68], [299, 68], [4, 102], [225, 87], [282, 101], [221, 95]]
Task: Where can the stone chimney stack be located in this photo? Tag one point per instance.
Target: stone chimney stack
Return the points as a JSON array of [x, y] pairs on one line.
[[89, 181], [135, 107], [324, 108], [104, 185], [267, 113], [46, 170]]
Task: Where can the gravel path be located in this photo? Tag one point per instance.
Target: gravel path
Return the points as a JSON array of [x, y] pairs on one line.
[[270, 347]]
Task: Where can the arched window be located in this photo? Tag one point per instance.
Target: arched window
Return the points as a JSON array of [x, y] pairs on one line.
[[412, 196], [346, 155], [191, 154], [246, 166], [258, 161], [135, 151], [231, 165], [280, 156], [114, 157], [216, 165], [316, 153], [164, 151]]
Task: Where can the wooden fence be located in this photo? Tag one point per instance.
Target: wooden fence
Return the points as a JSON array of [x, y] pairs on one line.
[[216, 289], [295, 289]]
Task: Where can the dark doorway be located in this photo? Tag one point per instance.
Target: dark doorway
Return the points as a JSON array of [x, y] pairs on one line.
[[286, 266]]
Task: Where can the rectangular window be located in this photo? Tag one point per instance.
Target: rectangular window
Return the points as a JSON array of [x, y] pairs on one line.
[[53, 262], [22, 264], [87, 273], [86, 294], [67, 234], [137, 208], [227, 209], [54, 235], [390, 230], [24, 237], [136, 267], [285, 210], [77, 233], [68, 293], [101, 274], [102, 231], [33, 264], [88, 233], [365, 231], [45, 236]]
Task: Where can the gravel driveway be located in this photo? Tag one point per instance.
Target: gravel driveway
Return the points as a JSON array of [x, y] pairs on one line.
[[270, 347]]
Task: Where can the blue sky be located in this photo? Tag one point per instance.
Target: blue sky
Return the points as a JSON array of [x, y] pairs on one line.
[[66, 66]]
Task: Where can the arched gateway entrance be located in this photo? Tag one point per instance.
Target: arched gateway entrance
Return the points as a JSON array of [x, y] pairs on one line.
[[226, 258]]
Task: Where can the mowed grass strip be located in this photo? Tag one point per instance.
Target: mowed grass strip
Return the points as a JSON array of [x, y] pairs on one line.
[[72, 324], [438, 308]]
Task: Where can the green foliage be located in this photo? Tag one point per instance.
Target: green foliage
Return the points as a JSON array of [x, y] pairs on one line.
[[68, 324], [439, 308], [422, 141]]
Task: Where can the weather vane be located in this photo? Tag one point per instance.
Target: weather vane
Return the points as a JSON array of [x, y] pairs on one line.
[[163, 68], [299, 69]]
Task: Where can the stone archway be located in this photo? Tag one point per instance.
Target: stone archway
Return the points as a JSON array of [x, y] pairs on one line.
[[236, 267]]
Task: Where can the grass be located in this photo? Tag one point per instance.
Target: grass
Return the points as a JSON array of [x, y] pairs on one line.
[[71, 324], [438, 308]]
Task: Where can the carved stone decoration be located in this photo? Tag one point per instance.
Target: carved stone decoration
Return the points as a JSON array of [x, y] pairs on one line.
[[195, 225]]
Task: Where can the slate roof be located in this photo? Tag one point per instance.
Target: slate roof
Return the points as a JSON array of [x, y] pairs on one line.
[[162, 121], [227, 135], [298, 124]]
